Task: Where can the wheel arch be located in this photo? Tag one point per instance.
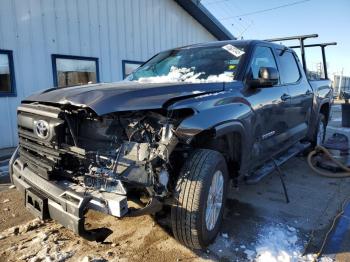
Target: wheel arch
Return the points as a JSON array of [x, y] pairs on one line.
[[325, 110], [229, 139]]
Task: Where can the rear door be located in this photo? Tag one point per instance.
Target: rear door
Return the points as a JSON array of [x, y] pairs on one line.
[[293, 77], [270, 105]]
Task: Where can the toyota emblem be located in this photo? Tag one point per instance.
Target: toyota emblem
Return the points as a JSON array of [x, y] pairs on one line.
[[42, 129]]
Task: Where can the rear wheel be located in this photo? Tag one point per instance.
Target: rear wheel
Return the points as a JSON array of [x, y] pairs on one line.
[[199, 199], [320, 133]]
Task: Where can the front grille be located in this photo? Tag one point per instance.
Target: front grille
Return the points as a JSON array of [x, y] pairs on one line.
[[42, 155]]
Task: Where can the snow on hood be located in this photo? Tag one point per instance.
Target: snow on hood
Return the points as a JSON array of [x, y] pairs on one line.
[[186, 75]]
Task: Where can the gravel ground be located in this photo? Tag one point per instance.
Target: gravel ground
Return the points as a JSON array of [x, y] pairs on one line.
[[258, 225], [12, 211], [23, 238]]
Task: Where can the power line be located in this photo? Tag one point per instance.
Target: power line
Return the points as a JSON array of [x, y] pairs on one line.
[[265, 10], [247, 25], [242, 24], [216, 2], [235, 23]]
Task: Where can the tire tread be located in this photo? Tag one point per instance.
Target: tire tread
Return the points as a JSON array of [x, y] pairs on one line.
[[188, 196]]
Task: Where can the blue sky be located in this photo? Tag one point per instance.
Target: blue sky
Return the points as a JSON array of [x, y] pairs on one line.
[[329, 19]]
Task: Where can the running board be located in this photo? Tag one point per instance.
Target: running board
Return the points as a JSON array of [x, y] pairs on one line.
[[280, 159]]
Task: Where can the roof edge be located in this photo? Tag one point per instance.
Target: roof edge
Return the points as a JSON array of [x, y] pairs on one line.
[[206, 19]]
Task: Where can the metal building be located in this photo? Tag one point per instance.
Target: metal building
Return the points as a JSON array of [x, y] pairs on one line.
[[45, 43], [341, 84]]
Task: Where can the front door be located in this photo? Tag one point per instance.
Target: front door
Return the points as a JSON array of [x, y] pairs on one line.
[[270, 106]]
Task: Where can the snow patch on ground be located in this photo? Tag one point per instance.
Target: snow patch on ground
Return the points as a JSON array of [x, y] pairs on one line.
[[278, 243], [250, 254], [338, 119], [186, 75], [274, 242]]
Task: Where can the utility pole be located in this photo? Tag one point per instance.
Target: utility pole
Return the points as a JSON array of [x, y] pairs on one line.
[[319, 70], [340, 81]]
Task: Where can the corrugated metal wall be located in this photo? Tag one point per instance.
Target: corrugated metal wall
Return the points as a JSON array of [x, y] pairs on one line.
[[341, 83], [111, 30]]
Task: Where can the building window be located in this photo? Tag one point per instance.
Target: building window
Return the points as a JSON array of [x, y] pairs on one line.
[[130, 66], [7, 74], [74, 70]]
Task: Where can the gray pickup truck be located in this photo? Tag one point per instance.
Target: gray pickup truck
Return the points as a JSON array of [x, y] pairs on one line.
[[170, 137]]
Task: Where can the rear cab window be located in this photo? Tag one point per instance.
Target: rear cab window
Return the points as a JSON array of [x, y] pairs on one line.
[[289, 69]]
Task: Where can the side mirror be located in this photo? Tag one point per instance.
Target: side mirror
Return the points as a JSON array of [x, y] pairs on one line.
[[268, 76]]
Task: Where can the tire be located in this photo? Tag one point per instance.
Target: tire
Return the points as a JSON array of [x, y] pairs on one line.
[[320, 132], [192, 193]]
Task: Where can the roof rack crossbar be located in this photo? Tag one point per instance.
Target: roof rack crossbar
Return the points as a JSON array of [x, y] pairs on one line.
[[322, 45], [315, 45], [288, 38], [301, 39]]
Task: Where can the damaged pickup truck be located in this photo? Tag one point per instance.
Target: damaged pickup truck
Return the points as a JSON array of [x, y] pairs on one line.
[[173, 134]]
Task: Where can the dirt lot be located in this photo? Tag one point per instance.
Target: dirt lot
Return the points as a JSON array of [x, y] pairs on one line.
[[13, 212], [258, 224], [133, 239]]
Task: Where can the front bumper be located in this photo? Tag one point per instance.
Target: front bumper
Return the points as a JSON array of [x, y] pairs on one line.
[[62, 201]]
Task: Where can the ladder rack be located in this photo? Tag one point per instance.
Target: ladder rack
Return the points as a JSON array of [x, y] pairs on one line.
[[323, 45], [302, 47]]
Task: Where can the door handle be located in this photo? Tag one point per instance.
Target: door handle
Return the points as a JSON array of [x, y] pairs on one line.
[[285, 97], [308, 92]]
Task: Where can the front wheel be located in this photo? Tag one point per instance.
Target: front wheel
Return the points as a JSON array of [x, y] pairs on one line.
[[200, 195]]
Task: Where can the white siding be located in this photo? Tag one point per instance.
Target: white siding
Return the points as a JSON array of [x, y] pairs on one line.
[[112, 30]]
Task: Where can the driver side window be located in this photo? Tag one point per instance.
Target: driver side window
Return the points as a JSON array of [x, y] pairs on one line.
[[262, 57]]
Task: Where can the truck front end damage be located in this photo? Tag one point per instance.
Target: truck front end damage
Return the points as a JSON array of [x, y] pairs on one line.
[[70, 160]]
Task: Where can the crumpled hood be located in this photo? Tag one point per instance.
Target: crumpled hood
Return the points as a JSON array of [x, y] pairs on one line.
[[123, 96]]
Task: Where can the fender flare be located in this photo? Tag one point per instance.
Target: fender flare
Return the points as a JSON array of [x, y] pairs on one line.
[[324, 101], [231, 127]]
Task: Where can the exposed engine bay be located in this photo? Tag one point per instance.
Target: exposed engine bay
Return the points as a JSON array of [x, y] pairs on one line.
[[112, 154], [131, 147]]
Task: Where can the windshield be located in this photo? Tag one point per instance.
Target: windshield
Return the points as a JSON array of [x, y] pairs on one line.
[[195, 64]]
